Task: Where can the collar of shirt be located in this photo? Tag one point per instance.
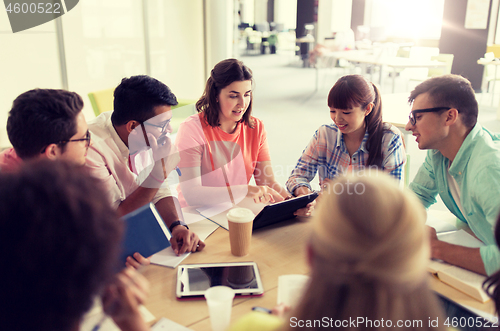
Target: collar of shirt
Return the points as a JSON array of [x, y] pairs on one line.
[[465, 152], [341, 142], [116, 138]]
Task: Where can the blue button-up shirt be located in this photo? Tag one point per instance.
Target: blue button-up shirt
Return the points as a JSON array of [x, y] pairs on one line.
[[476, 169]]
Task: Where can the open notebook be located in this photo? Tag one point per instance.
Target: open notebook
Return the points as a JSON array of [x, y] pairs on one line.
[[463, 280]]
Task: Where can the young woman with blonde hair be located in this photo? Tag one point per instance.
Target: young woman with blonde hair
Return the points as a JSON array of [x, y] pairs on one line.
[[368, 255]]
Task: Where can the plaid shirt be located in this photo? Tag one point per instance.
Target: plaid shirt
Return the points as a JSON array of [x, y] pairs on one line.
[[327, 154]]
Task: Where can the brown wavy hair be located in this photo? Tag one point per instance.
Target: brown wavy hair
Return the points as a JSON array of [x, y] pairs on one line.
[[355, 91], [223, 74]]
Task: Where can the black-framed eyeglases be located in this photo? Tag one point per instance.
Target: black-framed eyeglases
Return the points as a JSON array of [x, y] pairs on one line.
[[412, 118], [86, 139], [62, 142]]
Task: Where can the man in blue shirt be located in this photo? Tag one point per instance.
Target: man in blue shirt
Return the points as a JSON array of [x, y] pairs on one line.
[[462, 166]]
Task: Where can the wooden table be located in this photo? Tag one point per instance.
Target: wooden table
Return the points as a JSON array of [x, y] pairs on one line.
[[278, 250]]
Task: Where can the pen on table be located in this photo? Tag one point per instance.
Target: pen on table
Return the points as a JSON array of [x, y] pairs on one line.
[[178, 171], [262, 310]]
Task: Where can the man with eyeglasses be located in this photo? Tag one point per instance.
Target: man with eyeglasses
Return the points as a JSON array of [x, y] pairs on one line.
[[46, 123], [132, 154], [462, 166]]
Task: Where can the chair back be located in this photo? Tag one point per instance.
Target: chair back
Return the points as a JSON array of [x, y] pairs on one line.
[[446, 58], [102, 101], [181, 111]]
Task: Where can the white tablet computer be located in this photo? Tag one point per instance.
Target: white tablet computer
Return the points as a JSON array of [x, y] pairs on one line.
[[194, 279]]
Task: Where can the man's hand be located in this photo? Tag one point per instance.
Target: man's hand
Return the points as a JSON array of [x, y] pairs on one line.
[[122, 298], [137, 261], [434, 242], [183, 240]]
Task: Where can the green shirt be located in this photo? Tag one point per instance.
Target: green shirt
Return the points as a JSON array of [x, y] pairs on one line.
[[476, 169]]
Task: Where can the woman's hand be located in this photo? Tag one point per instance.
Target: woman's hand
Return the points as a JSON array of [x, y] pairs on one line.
[[280, 310], [307, 210], [263, 194]]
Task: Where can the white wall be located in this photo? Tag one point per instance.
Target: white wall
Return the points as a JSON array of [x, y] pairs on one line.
[[260, 11], [27, 60], [333, 16], [285, 11], [177, 45], [248, 11], [341, 15], [220, 20], [104, 42]]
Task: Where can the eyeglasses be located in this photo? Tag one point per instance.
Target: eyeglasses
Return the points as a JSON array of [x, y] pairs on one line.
[[163, 126], [412, 118], [62, 142], [86, 139]]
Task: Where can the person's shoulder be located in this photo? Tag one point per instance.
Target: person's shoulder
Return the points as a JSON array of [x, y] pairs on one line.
[[9, 161], [390, 129], [192, 119], [99, 126]]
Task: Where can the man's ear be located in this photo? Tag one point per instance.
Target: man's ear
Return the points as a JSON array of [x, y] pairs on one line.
[[451, 117], [52, 152], [131, 125]]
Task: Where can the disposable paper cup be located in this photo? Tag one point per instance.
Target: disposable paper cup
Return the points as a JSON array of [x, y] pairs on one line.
[[219, 301], [240, 222]]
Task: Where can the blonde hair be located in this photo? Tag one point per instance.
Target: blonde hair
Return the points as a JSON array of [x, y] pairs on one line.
[[369, 255]]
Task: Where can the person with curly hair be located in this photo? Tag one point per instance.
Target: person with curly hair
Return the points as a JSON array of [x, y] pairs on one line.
[[62, 240]]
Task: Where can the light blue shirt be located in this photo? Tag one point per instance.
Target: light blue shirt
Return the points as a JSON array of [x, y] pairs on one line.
[[476, 169]]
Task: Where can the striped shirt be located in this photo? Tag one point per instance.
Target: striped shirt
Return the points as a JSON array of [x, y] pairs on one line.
[[327, 154]]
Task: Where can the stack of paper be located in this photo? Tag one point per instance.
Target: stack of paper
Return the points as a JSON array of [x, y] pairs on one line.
[[291, 289]]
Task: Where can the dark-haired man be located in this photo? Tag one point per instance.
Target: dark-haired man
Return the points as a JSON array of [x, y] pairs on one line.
[[462, 166], [46, 123], [142, 109]]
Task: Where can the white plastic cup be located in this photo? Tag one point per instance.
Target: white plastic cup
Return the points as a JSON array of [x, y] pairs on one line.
[[219, 301]]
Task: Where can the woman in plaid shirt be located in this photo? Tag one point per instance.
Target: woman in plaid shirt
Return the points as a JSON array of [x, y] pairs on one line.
[[356, 141]]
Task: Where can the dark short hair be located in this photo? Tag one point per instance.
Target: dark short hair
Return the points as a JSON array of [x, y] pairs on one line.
[[450, 91], [136, 97], [61, 238], [41, 117], [355, 91], [222, 75]]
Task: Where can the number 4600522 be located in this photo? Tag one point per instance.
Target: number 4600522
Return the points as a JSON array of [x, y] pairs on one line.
[[32, 8]]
